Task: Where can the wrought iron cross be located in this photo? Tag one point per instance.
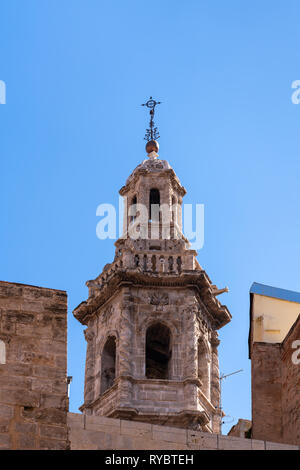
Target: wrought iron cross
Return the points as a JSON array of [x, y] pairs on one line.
[[151, 132]]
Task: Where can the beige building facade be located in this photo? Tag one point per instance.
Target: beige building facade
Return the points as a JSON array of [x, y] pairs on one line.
[[274, 350]]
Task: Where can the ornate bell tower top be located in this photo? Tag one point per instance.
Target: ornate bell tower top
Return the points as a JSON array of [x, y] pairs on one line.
[[153, 244], [153, 195], [153, 313]]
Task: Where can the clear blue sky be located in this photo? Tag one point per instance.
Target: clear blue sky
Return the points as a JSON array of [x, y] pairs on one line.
[[72, 131]]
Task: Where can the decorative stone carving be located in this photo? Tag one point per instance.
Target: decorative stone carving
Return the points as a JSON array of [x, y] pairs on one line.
[[89, 335], [203, 327], [106, 315], [159, 299]]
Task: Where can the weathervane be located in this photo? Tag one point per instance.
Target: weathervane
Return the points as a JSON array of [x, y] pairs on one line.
[[152, 132]]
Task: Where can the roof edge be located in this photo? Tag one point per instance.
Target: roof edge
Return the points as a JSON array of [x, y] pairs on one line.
[[275, 292]]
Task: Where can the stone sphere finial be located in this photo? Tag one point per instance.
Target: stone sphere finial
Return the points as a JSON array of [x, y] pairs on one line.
[[152, 146]]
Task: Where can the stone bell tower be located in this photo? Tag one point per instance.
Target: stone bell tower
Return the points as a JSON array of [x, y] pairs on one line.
[[152, 314]]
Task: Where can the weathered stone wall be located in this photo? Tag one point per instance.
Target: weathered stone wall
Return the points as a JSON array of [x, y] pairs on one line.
[[291, 388], [266, 392], [276, 390], [33, 367], [99, 432]]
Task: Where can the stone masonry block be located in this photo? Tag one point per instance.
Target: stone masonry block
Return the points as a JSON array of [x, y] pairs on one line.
[[257, 445], [234, 443], [53, 432], [52, 444], [6, 412], [47, 416], [25, 428], [75, 419], [20, 397], [279, 446], [202, 440], [165, 433], [14, 383], [136, 429], [4, 442], [54, 401], [102, 423]]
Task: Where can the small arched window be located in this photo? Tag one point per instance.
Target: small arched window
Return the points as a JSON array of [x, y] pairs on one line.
[[133, 209], [108, 364], [158, 351], [154, 203]]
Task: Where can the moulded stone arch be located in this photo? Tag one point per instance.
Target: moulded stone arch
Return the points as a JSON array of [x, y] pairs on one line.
[[157, 318], [100, 343], [103, 340]]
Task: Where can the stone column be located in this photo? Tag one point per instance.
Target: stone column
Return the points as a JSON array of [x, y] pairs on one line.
[[204, 367], [215, 382], [89, 335], [125, 357], [125, 328], [191, 350], [190, 374]]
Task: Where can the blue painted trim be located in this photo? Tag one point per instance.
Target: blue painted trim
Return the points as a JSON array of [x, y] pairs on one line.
[[275, 292]]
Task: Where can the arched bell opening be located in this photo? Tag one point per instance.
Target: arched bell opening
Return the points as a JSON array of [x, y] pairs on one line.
[[154, 204], [133, 211], [158, 351], [108, 364]]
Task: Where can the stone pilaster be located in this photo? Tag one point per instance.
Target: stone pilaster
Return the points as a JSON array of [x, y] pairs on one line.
[[125, 331], [215, 382], [89, 335], [190, 366], [125, 357]]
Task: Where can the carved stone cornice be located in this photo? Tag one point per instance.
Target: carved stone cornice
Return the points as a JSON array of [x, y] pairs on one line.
[[197, 280], [163, 173]]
